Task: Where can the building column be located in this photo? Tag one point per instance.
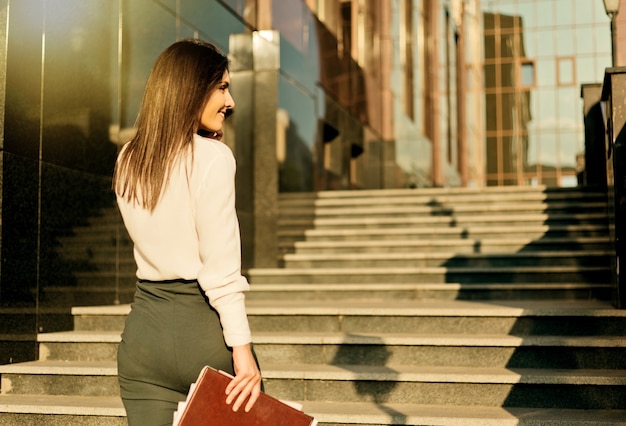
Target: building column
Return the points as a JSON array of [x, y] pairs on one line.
[[461, 124], [252, 135], [431, 102]]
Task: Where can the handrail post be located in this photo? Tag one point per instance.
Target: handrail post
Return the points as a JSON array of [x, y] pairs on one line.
[[614, 114]]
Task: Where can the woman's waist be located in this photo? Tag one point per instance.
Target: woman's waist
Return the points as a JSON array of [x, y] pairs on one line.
[[167, 288]]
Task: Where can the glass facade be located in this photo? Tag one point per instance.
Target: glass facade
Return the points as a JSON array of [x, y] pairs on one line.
[[346, 77], [537, 54], [324, 99]]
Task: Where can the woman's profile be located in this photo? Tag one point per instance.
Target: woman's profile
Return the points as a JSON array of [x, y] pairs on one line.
[[175, 188]]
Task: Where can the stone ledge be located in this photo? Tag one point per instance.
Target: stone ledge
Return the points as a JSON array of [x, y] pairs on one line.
[[62, 405], [413, 414], [433, 307], [453, 375], [65, 368]]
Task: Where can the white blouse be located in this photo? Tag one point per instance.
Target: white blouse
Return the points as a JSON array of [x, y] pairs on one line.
[[193, 233]]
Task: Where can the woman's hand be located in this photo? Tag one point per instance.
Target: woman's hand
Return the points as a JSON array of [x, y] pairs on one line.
[[247, 381]]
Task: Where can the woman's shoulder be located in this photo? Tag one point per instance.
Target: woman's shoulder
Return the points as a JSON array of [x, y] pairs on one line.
[[211, 157], [210, 147]]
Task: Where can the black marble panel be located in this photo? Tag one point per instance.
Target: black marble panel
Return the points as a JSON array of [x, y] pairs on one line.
[[70, 200], [20, 176]]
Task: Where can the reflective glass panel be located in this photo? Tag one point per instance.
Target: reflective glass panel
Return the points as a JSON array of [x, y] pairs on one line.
[[585, 11], [289, 19], [301, 62], [585, 40], [297, 129], [566, 41], [586, 69], [147, 30], [545, 14], [80, 120], [214, 22], [490, 46], [546, 72], [529, 43], [565, 69], [547, 108], [81, 54], [569, 108], [527, 73], [603, 37], [549, 147], [508, 8], [546, 45], [569, 148], [564, 12], [527, 11], [20, 182]]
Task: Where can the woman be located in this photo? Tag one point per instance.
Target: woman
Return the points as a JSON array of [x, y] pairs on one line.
[[175, 190]]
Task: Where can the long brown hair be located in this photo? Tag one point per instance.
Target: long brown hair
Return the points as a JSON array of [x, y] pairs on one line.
[[180, 83]]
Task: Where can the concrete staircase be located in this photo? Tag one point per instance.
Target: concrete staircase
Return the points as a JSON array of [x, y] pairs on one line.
[[403, 307]]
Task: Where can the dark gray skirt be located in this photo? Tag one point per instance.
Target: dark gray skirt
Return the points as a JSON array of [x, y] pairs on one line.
[[170, 334]]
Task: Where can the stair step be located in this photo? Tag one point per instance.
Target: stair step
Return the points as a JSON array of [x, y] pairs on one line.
[[382, 413], [441, 195], [87, 296], [380, 349], [459, 246], [60, 378], [520, 318], [502, 387], [423, 291], [107, 295], [432, 274], [83, 346], [443, 221], [61, 410], [486, 386], [578, 352], [101, 368], [104, 256], [104, 279], [448, 259], [98, 236], [416, 207], [100, 318], [515, 317], [443, 374], [56, 410], [537, 232], [398, 253], [79, 249]]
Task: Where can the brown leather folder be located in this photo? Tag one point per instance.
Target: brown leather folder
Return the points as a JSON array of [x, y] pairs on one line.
[[206, 405]]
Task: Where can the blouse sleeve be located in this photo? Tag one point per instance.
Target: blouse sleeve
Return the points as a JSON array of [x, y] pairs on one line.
[[220, 246]]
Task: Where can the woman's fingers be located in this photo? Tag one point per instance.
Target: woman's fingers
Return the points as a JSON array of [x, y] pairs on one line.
[[254, 395], [242, 387], [247, 381], [250, 390]]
